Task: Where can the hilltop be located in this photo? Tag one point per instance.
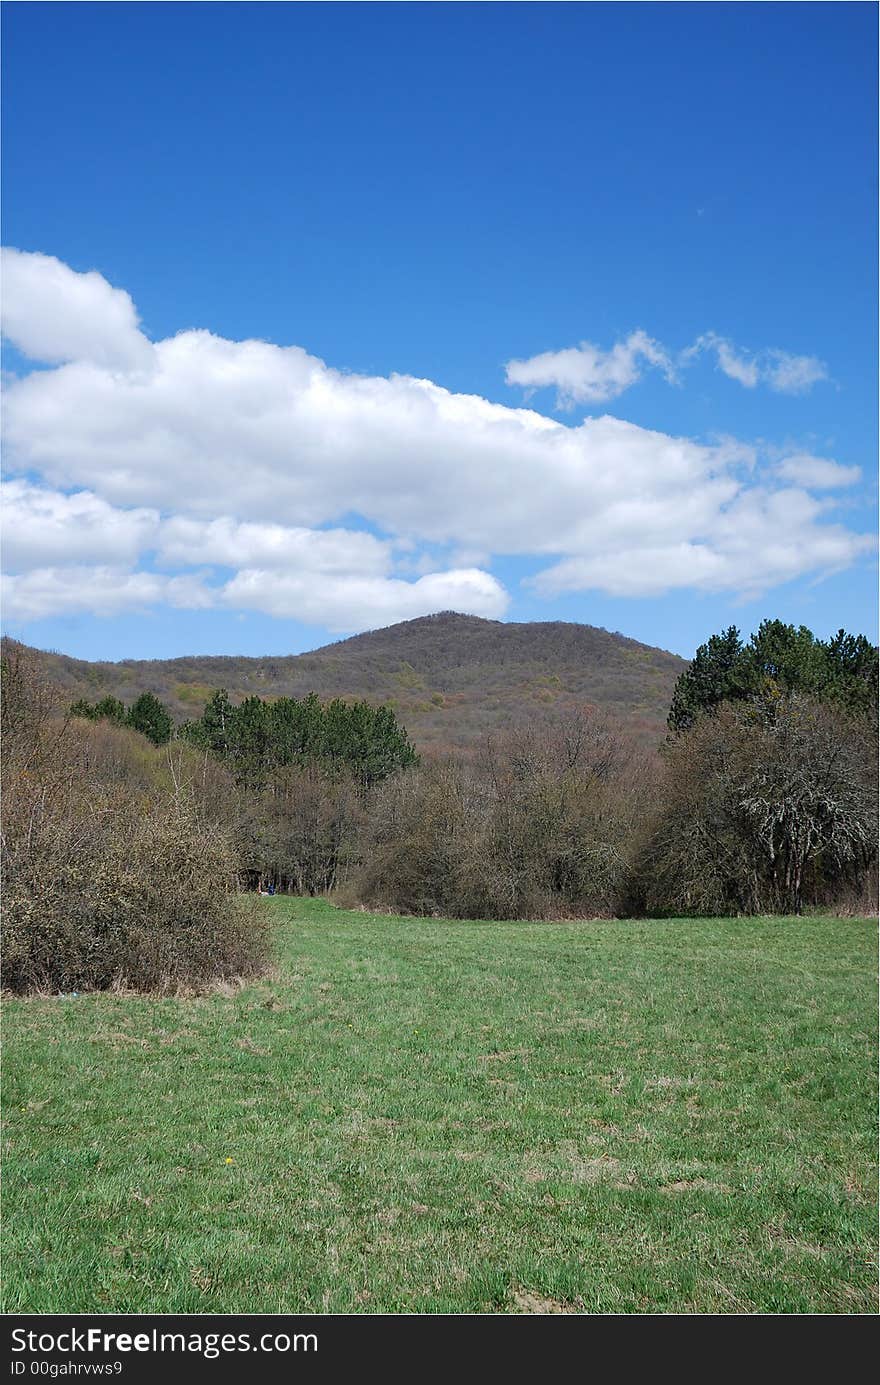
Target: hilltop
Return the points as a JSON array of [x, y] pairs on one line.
[[450, 677]]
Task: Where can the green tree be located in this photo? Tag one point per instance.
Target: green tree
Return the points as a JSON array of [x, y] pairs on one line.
[[852, 672], [148, 716], [250, 740], [779, 660], [217, 721], [110, 709], [258, 738], [715, 676], [786, 658], [82, 708]]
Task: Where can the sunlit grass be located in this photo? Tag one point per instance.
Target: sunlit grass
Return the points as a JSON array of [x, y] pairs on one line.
[[416, 1115]]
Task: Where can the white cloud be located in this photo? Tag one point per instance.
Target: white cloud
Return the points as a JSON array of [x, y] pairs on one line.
[[820, 473], [348, 603], [99, 590], [230, 543], [340, 602], [732, 364], [793, 374], [52, 314], [256, 457], [339, 578], [586, 374], [42, 528], [778, 370], [761, 540], [259, 431]]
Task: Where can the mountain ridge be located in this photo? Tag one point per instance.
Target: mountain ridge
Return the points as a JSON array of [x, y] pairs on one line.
[[450, 677]]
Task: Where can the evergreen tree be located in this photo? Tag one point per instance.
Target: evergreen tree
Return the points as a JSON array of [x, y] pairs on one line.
[[250, 740], [257, 738], [110, 709], [216, 722], [715, 676], [779, 660], [852, 672], [785, 659], [82, 708], [148, 716]]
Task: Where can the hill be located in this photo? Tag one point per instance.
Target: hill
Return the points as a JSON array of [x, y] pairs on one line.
[[450, 678]]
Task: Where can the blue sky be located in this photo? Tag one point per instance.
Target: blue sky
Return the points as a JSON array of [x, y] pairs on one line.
[[583, 298]]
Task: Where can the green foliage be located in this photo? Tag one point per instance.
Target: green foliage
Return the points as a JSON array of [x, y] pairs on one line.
[[258, 738], [779, 658], [191, 692], [110, 709], [82, 708], [148, 716], [107, 709]]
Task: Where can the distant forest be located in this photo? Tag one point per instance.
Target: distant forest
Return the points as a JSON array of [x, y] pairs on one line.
[[450, 679], [134, 841]]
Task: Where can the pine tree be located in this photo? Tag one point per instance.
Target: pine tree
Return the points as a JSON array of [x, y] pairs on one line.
[[216, 720], [715, 676], [779, 660], [148, 716]]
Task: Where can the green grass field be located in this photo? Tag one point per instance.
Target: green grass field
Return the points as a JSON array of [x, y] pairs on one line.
[[417, 1115]]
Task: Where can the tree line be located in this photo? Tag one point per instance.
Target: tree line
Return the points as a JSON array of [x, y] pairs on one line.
[[778, 658], [256, 737], [126, 846]]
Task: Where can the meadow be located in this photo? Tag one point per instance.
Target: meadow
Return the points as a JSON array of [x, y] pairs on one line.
[[411, 1115]]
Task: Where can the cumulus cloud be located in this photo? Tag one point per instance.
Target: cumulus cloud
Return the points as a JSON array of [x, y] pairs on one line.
[[819, 473], [98, 590], [262, 430], [266, 461], [762, 539], [339, 578], [228, 542], [587, 374], [42, 528], [52, 314], [345, 603], [341, 603]]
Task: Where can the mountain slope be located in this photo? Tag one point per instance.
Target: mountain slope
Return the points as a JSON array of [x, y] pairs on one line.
[[450, 677]]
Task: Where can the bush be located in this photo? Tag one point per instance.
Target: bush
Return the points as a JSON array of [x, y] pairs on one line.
[[301, 830], [767, 807], [542, 826], [113, 876], [131, 895]]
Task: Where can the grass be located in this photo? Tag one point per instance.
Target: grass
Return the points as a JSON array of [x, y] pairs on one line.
[[417, 1115]]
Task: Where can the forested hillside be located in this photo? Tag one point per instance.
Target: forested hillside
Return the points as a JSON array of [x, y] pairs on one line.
[[449, 678]]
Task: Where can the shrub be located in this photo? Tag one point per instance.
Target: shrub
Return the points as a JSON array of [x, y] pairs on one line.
[[113, 875], [543, 825], [115, 892], [301, 830], [767, 806]]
